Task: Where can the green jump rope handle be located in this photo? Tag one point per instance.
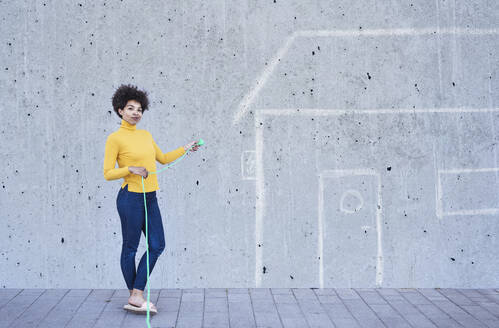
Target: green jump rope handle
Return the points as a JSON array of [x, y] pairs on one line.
[[199, 143]]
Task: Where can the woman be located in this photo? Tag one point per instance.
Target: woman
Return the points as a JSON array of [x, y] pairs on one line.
[[131, 146]]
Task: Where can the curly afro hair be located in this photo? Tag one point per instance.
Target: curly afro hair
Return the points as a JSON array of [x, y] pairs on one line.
[[129, 92]]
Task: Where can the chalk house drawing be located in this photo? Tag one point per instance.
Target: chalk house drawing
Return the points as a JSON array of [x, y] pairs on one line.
[[275, 116]]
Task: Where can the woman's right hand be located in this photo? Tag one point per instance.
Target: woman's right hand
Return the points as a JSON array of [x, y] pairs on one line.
[[139, 170]]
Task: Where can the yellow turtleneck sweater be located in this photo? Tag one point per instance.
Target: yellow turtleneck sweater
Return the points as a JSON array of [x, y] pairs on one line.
[[134, 147]]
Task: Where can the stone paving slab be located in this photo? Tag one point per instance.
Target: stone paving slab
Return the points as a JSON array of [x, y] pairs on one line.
[[255, 308]]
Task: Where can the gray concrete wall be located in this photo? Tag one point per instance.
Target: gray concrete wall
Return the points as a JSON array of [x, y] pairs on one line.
[[348, 143]]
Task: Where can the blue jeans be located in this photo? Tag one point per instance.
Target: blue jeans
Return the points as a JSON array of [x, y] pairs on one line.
[[132, 215]]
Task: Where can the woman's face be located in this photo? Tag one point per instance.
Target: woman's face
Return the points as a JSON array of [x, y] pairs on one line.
[[132, 113]]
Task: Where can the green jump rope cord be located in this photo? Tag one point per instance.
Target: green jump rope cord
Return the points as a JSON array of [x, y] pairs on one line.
[[199, 143]]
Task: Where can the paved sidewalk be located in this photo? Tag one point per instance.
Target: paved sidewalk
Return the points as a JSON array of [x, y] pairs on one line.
[[254, 307]]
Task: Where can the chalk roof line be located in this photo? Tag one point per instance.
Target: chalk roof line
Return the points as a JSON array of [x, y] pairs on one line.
[[260, 82]]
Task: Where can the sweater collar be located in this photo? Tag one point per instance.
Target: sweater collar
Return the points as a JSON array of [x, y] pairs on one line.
[[127, 126]]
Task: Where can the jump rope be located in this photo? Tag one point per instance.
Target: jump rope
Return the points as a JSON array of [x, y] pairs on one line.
[[199, 143]]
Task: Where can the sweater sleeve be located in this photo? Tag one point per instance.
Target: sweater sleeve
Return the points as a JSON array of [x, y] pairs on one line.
[[169, 157], [110, 157]]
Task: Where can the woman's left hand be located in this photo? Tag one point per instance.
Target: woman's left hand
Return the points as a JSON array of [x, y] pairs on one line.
[[189, 145]]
